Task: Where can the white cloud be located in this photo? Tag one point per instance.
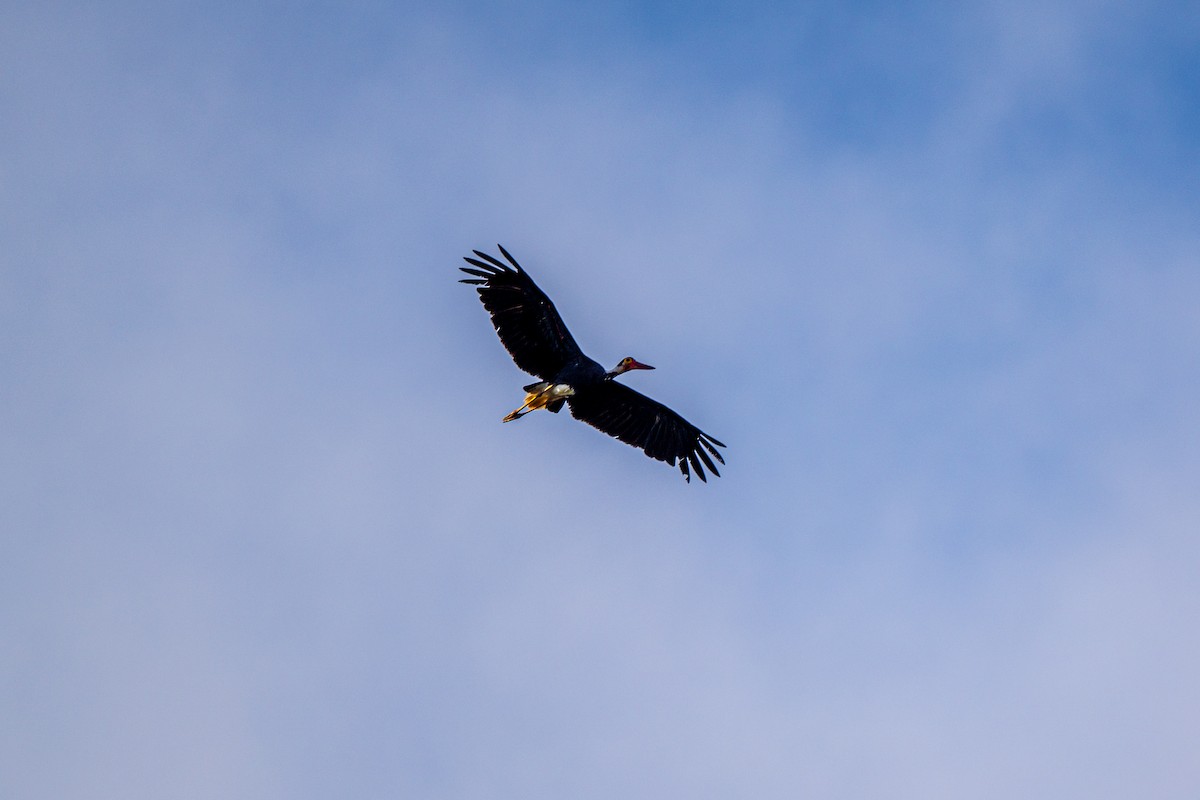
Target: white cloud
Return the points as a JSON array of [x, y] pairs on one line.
[[270, 539]]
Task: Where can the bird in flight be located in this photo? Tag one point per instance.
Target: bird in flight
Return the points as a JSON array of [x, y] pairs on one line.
[[531, 330]]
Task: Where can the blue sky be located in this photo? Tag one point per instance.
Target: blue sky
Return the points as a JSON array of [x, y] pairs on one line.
[[931, 272]]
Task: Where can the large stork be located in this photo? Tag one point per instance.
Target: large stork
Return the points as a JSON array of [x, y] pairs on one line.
[[534, 335]]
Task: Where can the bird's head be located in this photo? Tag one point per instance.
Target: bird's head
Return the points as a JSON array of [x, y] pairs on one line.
[[627, 364]]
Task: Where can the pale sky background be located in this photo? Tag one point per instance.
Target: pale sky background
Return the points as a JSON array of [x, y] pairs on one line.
[[931, 271]]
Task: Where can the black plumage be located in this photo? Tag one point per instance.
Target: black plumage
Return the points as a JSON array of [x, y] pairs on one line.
[[534, 334]]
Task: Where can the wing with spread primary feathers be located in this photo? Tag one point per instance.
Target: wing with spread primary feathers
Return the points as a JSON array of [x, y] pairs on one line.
[[526, 321], [647, 424]]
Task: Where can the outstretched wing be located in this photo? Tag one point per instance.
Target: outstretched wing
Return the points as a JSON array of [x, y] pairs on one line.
[[635, 419], [526, 321]]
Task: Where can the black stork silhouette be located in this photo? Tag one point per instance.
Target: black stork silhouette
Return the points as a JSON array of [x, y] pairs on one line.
[[531, 330]]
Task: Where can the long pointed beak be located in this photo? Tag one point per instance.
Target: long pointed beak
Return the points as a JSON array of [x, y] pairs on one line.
[[638, 365]]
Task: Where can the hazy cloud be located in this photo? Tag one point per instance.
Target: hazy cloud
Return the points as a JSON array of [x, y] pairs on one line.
[[931, 277]]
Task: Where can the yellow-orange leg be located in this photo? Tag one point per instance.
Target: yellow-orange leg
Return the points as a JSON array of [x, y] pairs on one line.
[[533, 401], [543, 394]]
